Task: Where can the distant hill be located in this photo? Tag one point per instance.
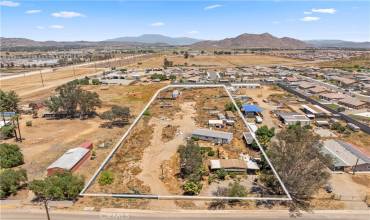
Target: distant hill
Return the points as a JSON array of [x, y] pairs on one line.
[[24, 42], [265, 40], [157, 38], [338, 44]]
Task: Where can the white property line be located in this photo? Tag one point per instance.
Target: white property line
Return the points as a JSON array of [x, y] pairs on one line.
[[150, 196]]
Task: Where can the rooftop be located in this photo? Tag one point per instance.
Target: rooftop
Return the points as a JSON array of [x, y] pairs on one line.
[[70, 158], [213, 133]]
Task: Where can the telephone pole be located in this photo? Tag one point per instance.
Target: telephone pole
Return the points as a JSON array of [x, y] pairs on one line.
[[42, 79]]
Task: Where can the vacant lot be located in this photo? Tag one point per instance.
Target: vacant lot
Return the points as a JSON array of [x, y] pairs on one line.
[[27, 86], [221, 61], [46, 140], [354, 63]]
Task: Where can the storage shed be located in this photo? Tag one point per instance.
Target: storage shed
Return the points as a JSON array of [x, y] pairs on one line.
[[219, 137], [69, 161]]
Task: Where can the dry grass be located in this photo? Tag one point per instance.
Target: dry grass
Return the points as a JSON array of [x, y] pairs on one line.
[[222, 61], [362, 179], [351, 63], [359, 139]]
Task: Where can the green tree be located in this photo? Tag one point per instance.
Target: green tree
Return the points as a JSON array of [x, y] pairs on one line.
[[192, 188], [60, 186], [297, 159], [264, 136], [10, 181], [10, 156], [88, 102], [9, 101], [191, 160], [106, 178]]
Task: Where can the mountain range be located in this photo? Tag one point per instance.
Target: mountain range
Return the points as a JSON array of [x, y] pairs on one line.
[[157, 38], [264, 40]]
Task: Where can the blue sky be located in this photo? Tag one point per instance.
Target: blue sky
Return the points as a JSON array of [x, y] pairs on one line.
[[99, 20]]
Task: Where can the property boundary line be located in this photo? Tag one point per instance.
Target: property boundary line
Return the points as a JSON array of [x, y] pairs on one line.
[[151, 196]]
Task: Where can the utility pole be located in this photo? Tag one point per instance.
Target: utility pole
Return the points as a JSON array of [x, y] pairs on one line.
[[355, 167], [42, 79], [46, 208]]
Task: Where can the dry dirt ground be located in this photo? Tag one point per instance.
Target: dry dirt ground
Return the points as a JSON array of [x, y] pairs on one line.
[[221, 61], [147, 164], [30, 87], [46, 140]]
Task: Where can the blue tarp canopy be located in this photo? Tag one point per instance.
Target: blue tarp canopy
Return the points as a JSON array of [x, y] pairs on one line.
[[251, 108]]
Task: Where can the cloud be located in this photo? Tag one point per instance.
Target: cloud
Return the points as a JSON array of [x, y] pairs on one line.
[[9, 4], [193, 32], [324, 10], [307, 12], [34, 11], [210, 7], [67, 14], [56, 26], [157, 24], [309, 18], [40, 27]]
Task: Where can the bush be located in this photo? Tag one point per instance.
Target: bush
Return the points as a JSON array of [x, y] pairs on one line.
[[10, 156], [11, 181], [60, 186], [95, 82], [211, 153], [146, 112], [28, 123], [191, 161], [106, 178], [236, 190], [192, 188], [6, 131], [221, 174]]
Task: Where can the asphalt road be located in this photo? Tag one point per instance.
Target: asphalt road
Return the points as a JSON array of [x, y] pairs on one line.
[[335, 215]]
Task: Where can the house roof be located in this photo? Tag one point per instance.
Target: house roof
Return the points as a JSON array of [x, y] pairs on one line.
[[228, 164], [352, 101], [248, 137], [70, 158], [345, 152], [251, 108], [213, 133], [334, 95]]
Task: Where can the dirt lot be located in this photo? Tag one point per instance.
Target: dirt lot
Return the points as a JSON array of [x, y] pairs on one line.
[[147, 164], [46, 140], [222, 61]]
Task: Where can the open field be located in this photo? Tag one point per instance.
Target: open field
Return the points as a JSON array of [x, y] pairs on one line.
[[219, 61], [31, 88], [28, 85], [46, 139], [353, 63]]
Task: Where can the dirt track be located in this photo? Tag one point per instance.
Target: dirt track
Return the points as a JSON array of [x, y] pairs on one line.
[[158, 151]]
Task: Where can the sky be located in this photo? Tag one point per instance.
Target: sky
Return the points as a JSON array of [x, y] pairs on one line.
[[95, 20]]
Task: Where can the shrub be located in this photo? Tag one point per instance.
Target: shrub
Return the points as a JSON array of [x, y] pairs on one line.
[[95, 82], [11, 181], [10, 156], [236, 190], [106, 178], [221, 174], [192, 188], [60, 186], [6, 131], [211, 153], [28, 123], [146, 112]]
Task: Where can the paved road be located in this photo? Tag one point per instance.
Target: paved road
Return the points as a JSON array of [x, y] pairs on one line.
[[255, 215]]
